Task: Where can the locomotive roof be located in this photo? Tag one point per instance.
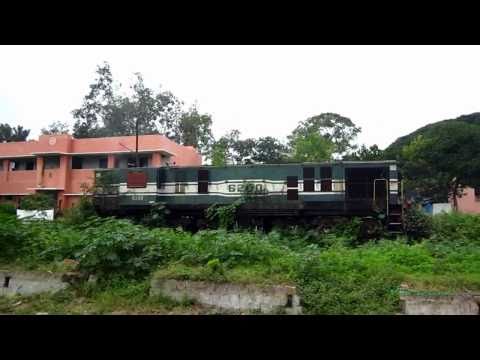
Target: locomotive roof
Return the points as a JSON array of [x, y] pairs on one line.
[[335, 162]]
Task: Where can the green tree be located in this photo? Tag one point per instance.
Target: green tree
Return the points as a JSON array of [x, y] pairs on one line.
[[9, 134], [336, 129], [219, 153], [444, 160], [194, 129], [106, 113], [244, 151], [311, 147], [366, 154], [97, 105], [269, 150], [56, 127]]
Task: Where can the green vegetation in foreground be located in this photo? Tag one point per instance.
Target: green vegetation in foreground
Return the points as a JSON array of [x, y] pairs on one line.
[[333, 276], [120, 296]]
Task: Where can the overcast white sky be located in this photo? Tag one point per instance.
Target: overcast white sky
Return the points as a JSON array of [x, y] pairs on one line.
[[261, 90]]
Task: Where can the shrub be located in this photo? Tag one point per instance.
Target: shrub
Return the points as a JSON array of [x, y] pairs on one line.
[[37, 201], [8, 209], [53, 241], [12, 238], [417, 224], [223, 215], [115, 247], [79, 213], [157, 216], [456, 227]]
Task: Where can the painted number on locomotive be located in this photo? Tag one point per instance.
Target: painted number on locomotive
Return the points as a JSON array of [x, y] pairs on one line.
[[246, 187]]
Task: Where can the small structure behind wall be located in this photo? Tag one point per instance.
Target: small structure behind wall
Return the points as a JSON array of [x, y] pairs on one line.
[[439, 208]]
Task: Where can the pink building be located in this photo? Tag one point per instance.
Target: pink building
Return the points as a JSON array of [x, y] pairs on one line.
[[60, 164], [469, 202]]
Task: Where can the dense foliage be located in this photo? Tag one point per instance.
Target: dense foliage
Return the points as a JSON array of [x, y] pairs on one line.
[[9, 134], [440, 159], [334, 275], [418, 225], [37, 201]]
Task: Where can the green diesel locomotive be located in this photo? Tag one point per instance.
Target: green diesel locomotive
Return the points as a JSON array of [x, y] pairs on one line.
[[285, 193]]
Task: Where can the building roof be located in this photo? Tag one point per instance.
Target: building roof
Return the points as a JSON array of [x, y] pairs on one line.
[[66, 144]]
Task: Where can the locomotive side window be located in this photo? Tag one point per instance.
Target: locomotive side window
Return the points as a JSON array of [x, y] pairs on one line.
[[326, 179], [180, 179], [308, 179], [292, 188], [292, 181], [161, 178], [203, 177]]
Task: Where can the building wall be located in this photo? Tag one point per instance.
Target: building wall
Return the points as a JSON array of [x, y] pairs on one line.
[[468, 203]]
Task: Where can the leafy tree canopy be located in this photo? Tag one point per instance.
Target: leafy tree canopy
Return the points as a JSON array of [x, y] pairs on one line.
[[443, 160], [10, 134], [311, 147], [269, 151], [106, 113], [230, 149], [194, 129], [337, 130], [393, 151], [57, 127], [365, 153]]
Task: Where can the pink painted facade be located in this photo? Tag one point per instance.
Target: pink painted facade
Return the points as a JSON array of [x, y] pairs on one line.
[[469, 202], [61, 163]]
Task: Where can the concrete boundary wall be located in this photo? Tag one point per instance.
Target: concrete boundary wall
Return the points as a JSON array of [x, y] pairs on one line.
[[29, 283], [265, 299], [459, 304]]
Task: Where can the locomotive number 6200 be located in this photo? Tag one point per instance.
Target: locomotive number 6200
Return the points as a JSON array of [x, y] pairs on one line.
[[246, 187]]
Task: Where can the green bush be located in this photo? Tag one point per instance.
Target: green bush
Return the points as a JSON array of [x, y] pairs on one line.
[[115, 247], [457, 227], [418, 225], [79, 213], [8, 209], [53, 241], [37, 201], [332, 276], [12, 238], [157, 216]]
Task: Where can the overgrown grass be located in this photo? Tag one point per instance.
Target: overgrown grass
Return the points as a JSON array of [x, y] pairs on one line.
[[119, 296], [332, 275]]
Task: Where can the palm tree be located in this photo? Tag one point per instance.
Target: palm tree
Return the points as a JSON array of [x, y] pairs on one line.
[[19, 133]]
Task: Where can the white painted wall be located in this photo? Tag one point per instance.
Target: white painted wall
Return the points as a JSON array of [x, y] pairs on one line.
[[441, 207], [35, 214]]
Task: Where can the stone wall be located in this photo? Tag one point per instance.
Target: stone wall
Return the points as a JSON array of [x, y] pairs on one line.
[[29, 283], [250, 297], [440, 305]]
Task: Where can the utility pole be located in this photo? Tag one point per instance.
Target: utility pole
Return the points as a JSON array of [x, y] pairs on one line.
[[136, 142]]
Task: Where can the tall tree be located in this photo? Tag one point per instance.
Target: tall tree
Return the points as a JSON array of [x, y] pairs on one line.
[[336, 129], [441, 162], [311, 147], [223, 150], [244, 151], [219, 152], [106, 113], [269, 151], [97, 105], [9, 134], [194, 129]]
